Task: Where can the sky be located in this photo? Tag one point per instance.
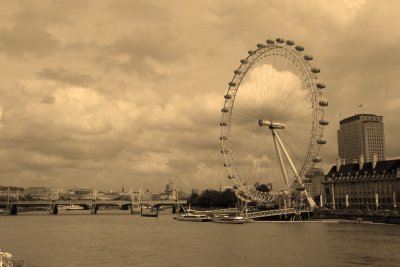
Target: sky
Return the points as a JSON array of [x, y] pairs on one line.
[[109, 93]]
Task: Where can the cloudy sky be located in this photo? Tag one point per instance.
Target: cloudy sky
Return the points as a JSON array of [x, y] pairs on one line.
[[110, 93]]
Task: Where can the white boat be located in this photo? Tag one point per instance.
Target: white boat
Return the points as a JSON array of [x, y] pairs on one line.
[[190, 217], [229, 219], [71, 207]]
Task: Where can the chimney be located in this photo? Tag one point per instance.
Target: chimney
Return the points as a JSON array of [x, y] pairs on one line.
[[343, 161], [361, 162], [374, 160], [338, 164]]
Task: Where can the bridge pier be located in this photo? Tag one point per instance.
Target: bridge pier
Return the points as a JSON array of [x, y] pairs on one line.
[[53, 209], [93, 209], [173, 209], [12, 209]]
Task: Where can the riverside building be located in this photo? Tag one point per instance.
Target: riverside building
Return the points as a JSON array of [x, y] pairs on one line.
[[363, 185], [361, 134]]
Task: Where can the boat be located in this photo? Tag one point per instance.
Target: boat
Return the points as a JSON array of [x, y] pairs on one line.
[[71, 207], [229, 219], [190, 217]]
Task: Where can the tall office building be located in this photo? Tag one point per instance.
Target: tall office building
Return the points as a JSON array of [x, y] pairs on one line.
[[361, 134]]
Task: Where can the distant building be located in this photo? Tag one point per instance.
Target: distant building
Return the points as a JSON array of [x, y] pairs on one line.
[[361, 134], [38, 192], [313, 181], [11, 192], [369, 185]]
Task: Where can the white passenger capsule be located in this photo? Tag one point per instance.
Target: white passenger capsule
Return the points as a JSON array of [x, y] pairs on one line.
[[231, 176], [308, 57], [269, 41], [243, 61], [317, 159], [232, 84], [224, 151], [289, 42], [315, 70], [227, 164], [228, 96], [237, 71], [223, 138], [225, 110], [251, 52], [260, 45], [280, 40], [321, 141], [222, 124], [323, 103], [299, 48], [323, 122], [320, 85]]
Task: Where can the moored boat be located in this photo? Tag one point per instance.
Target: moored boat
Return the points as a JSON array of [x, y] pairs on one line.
[[229, 219], [70, 207], [190, 217]]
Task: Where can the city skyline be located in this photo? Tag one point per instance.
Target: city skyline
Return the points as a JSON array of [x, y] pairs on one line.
[[99, 94]]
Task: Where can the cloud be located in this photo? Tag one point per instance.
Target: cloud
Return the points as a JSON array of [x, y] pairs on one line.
[[129, 92], [65, 76]]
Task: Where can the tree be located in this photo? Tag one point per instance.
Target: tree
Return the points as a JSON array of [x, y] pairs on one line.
[[213, 199]]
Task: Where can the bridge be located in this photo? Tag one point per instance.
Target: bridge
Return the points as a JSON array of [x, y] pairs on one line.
[[12, 205]]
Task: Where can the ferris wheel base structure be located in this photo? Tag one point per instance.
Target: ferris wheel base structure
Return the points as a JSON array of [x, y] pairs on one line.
[[272, 124]]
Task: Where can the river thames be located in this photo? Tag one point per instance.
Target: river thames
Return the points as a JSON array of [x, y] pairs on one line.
[[116, 238]]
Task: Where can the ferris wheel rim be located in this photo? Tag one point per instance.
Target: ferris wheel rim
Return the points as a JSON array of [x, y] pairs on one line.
[[234, 85]]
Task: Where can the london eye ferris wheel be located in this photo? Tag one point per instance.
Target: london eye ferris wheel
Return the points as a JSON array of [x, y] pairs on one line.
[[272, 121]]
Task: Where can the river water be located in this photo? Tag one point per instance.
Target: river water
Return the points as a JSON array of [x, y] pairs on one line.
[[116, 238]]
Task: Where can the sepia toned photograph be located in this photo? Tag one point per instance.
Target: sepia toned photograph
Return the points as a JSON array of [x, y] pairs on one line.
[[199, 133]]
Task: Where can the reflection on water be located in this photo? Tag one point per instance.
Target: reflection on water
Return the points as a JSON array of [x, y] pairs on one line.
[[116, 238]]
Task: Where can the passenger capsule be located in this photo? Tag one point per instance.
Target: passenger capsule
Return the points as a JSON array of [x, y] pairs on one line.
[[231, 176], [243, 61], [299, 48], [308, 57], [321, 141], [269, 41], [315, 70], [250, 52], [323, 122], [225, 110], [323, 103], [237, 71], [232, 84], [227, 164], [320, 85], [228, 96], [260, 45], [222, 124], [223, 138], [280, 40], [224, 151], [289, 42], [317, 159]]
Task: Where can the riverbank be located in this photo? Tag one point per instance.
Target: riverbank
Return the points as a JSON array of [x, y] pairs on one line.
[[387, 217]]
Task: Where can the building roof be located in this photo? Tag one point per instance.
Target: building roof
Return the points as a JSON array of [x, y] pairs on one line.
[[384, 166], [358, 116]]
